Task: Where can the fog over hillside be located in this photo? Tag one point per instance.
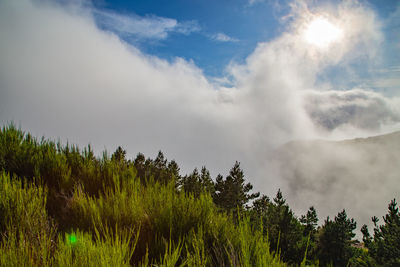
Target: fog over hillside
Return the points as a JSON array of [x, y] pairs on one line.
[[361, 175]]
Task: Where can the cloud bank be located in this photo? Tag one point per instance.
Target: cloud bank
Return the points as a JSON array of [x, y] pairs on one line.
[[64, 77]]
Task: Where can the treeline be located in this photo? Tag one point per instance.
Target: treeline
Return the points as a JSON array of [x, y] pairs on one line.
[[63, 206]]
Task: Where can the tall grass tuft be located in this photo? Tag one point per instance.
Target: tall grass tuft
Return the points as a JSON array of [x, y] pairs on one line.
[[27, 234], [79, 249]]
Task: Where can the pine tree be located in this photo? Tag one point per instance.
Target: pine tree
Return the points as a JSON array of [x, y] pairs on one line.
[[367, 239], [232, 193], [173, 171], [159, 169], [385, 245], [119, 155], [206, 181], [191, 183], [140, 164], [310, 222], [261, 205], [284, 231], [335, 239]]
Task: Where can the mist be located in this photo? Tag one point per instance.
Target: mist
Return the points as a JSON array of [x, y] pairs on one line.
[[359, 174], [63, 77]]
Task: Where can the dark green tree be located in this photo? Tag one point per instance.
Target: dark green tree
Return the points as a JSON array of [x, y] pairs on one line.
[[367, 239], [206, 181], [158, 170], [284, 231], [261, 206], [119, 155], [173, 172], [310, 223], [278, 199], [335, 240], [197, 183], [140, 164], [191, 183], [232, 193], [160, 162], [385, 245]]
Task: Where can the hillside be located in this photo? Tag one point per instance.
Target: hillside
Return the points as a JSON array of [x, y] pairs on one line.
[[361, 174], [63, 206]]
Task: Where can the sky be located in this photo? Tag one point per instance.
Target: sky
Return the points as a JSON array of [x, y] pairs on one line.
[[216, 32], [207, 82]]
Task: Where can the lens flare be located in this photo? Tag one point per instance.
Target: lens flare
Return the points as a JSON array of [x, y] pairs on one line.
[[72, 239]]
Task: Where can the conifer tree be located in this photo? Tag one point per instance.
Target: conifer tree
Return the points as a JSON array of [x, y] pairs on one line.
[[284, 231], [206, 181], [139, 163], [119, 155], [173, 171], [191, 183], [335, 239], [261, 205], [197, 183], [385, 245], [233, 193], [310, 222]]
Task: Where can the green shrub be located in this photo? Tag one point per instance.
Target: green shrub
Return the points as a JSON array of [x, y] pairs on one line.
[[79, 249], [27, 235]]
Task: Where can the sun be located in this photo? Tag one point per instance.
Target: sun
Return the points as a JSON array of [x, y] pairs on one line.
[[321, 32]]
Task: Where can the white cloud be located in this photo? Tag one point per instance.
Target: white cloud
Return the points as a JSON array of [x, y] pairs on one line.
[[222, 37], [62, 76], [149, 27]]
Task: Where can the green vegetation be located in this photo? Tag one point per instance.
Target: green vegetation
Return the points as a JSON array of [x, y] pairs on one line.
[[62, 206]]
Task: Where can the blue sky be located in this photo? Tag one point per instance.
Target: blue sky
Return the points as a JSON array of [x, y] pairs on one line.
[[241, 25], [245, 24]]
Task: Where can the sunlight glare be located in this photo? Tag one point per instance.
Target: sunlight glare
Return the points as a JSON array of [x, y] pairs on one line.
[[321, 32]]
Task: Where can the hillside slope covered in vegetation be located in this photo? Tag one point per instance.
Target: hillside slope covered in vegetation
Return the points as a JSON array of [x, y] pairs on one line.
[[63, 206]]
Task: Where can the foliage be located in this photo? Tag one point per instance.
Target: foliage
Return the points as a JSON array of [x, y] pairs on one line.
[[79, 249], [63, 206], [27, 235], [385, 244], [232, 194], [310, 223], [335, 240], [197, 183], [159, 170], [109, 215], [282, 227]]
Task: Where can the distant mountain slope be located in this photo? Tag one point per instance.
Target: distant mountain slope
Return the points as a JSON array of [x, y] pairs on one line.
[[361, 175]]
